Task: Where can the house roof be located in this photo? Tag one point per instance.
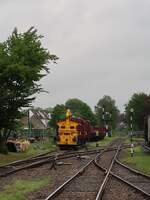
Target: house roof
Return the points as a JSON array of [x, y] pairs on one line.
[[38, 119]]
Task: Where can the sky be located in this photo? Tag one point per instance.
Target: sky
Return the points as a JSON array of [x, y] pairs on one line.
[[103, 46]]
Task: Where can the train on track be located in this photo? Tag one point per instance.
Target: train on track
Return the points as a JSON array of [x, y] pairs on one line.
[[72, 132]]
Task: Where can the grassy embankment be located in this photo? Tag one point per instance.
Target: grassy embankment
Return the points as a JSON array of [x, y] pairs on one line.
[[35, 149], [140, 160], [19, 189]]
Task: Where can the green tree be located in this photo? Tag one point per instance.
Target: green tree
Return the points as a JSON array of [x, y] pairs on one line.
[[58, 113], [140, 102], [23, 62], [109, 105], [81, 109]]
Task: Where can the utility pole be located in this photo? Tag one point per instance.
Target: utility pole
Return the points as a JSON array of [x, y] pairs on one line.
[[29, 124], [131, 123], [131, 127], [106, 117]]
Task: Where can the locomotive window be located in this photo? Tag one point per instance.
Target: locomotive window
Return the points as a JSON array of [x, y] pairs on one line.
[[62, 126], [66, 133], [71, 127]]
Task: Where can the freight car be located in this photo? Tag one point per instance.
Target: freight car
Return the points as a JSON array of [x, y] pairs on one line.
[[73, 132]]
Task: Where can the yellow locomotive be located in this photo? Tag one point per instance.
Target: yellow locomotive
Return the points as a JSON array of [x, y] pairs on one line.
[[67, 131]]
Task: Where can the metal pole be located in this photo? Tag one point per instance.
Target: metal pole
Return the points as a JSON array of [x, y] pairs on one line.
[[29, 124], [131, 124]]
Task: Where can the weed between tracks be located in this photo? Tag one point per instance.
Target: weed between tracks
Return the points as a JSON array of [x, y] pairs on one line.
[[140, 160], [19, 189]]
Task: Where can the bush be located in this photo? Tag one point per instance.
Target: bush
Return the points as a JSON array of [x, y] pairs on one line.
[[3, 149]]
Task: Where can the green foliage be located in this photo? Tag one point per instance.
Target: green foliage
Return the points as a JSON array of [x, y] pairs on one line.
[[20, 188], [78, 109], [109, 104], [23, 62], [59, 112], [140, 102], [81, 109]]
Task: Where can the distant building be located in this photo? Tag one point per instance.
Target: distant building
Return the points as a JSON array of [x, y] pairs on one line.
[[35, 119]]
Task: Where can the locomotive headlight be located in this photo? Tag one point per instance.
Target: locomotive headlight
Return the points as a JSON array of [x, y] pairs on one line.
[[74, 139]]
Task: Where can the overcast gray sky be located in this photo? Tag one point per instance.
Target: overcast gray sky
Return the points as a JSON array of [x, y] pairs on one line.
[[103, 45]]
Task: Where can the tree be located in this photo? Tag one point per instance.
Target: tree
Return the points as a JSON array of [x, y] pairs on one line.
[[140, 102], [109, 105], [81, 109], [58, 113], [23, 62]]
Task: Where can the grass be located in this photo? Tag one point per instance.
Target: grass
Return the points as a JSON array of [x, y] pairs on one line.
[[140, 160], [35, 149], [19, 189], [103, 142]]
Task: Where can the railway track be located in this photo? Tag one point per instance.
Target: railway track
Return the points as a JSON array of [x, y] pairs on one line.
[[138, 179], [82, 185], [98, 180], [124, 182], [42, 159]]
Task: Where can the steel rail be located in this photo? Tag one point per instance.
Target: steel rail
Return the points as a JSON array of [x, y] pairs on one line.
[[131, 169], [109, 172], [46, 160], [103, 186], [25, 167], [60, 188], [14, 163], [40, 160], [131, 184], [44, 155], [57, 191], [39, 157]]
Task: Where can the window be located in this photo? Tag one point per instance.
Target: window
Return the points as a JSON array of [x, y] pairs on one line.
[[66, 133], [62, 127], [71, 127]]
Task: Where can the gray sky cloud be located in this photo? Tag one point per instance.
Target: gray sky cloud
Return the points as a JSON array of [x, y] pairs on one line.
[[103, 46]]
